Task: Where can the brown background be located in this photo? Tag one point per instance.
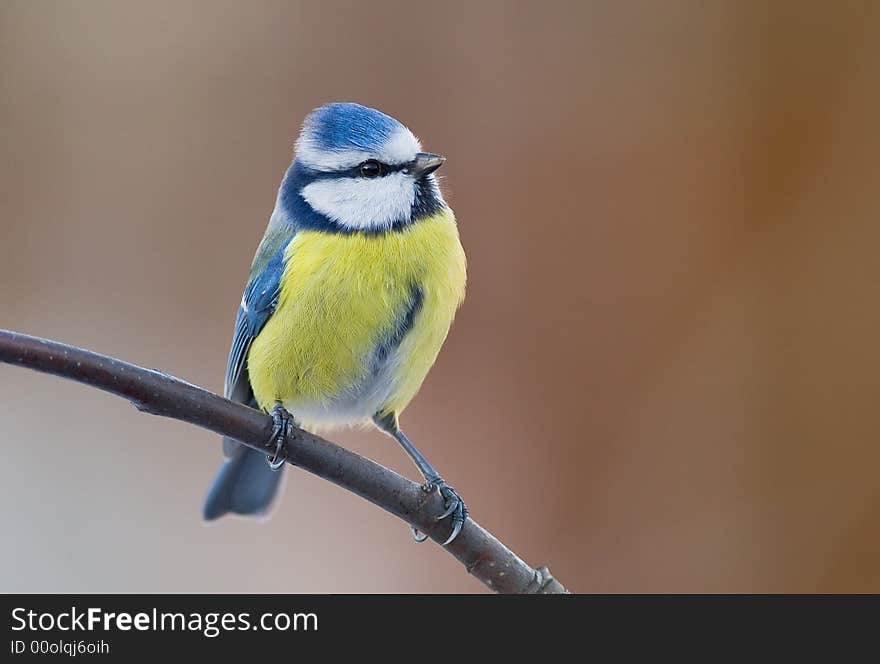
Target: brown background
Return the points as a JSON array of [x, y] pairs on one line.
[[664, 378]]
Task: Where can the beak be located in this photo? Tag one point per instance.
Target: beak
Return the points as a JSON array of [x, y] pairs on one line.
[[424, 164]]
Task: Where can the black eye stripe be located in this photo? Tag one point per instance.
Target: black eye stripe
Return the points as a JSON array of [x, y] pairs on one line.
[[354, 171], [384, 169]]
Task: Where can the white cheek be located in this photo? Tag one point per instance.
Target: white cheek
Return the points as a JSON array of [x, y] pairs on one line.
[[362, 204]]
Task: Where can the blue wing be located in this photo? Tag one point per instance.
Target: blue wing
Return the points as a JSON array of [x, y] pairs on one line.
[[245, 484], [257, 305]]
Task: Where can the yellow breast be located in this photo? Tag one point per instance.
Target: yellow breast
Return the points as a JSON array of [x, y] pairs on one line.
[[341, 296]]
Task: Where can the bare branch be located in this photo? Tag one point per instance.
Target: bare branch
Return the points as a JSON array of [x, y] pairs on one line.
[[160, 394]]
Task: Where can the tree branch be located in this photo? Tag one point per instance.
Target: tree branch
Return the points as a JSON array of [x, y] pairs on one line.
[[160, 394]]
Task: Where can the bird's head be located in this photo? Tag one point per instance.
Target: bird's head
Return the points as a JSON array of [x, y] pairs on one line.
[[357, 169]]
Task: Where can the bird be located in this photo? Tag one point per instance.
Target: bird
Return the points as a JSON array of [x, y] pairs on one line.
[[351, 294]]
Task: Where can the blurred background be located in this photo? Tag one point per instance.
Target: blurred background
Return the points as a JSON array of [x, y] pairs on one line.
[[664, 378]]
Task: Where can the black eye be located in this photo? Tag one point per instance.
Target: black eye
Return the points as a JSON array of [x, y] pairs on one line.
[[371, 169]]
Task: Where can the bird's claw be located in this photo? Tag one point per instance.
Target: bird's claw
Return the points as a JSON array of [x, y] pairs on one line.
[[281, 426], [449, 510], [455, 506]]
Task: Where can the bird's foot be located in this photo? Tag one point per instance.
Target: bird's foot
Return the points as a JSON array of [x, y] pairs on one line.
[[282, 423], [455, 508]]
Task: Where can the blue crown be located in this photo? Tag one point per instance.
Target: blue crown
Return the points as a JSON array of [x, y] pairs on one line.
[[346, 126]]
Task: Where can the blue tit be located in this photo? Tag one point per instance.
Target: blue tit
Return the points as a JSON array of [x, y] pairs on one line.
[[351, 294]]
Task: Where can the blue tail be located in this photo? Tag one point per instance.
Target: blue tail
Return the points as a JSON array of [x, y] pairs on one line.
[[244, 485]]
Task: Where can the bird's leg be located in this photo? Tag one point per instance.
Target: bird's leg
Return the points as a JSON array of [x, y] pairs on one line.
[[455, 506], [282, 422]]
